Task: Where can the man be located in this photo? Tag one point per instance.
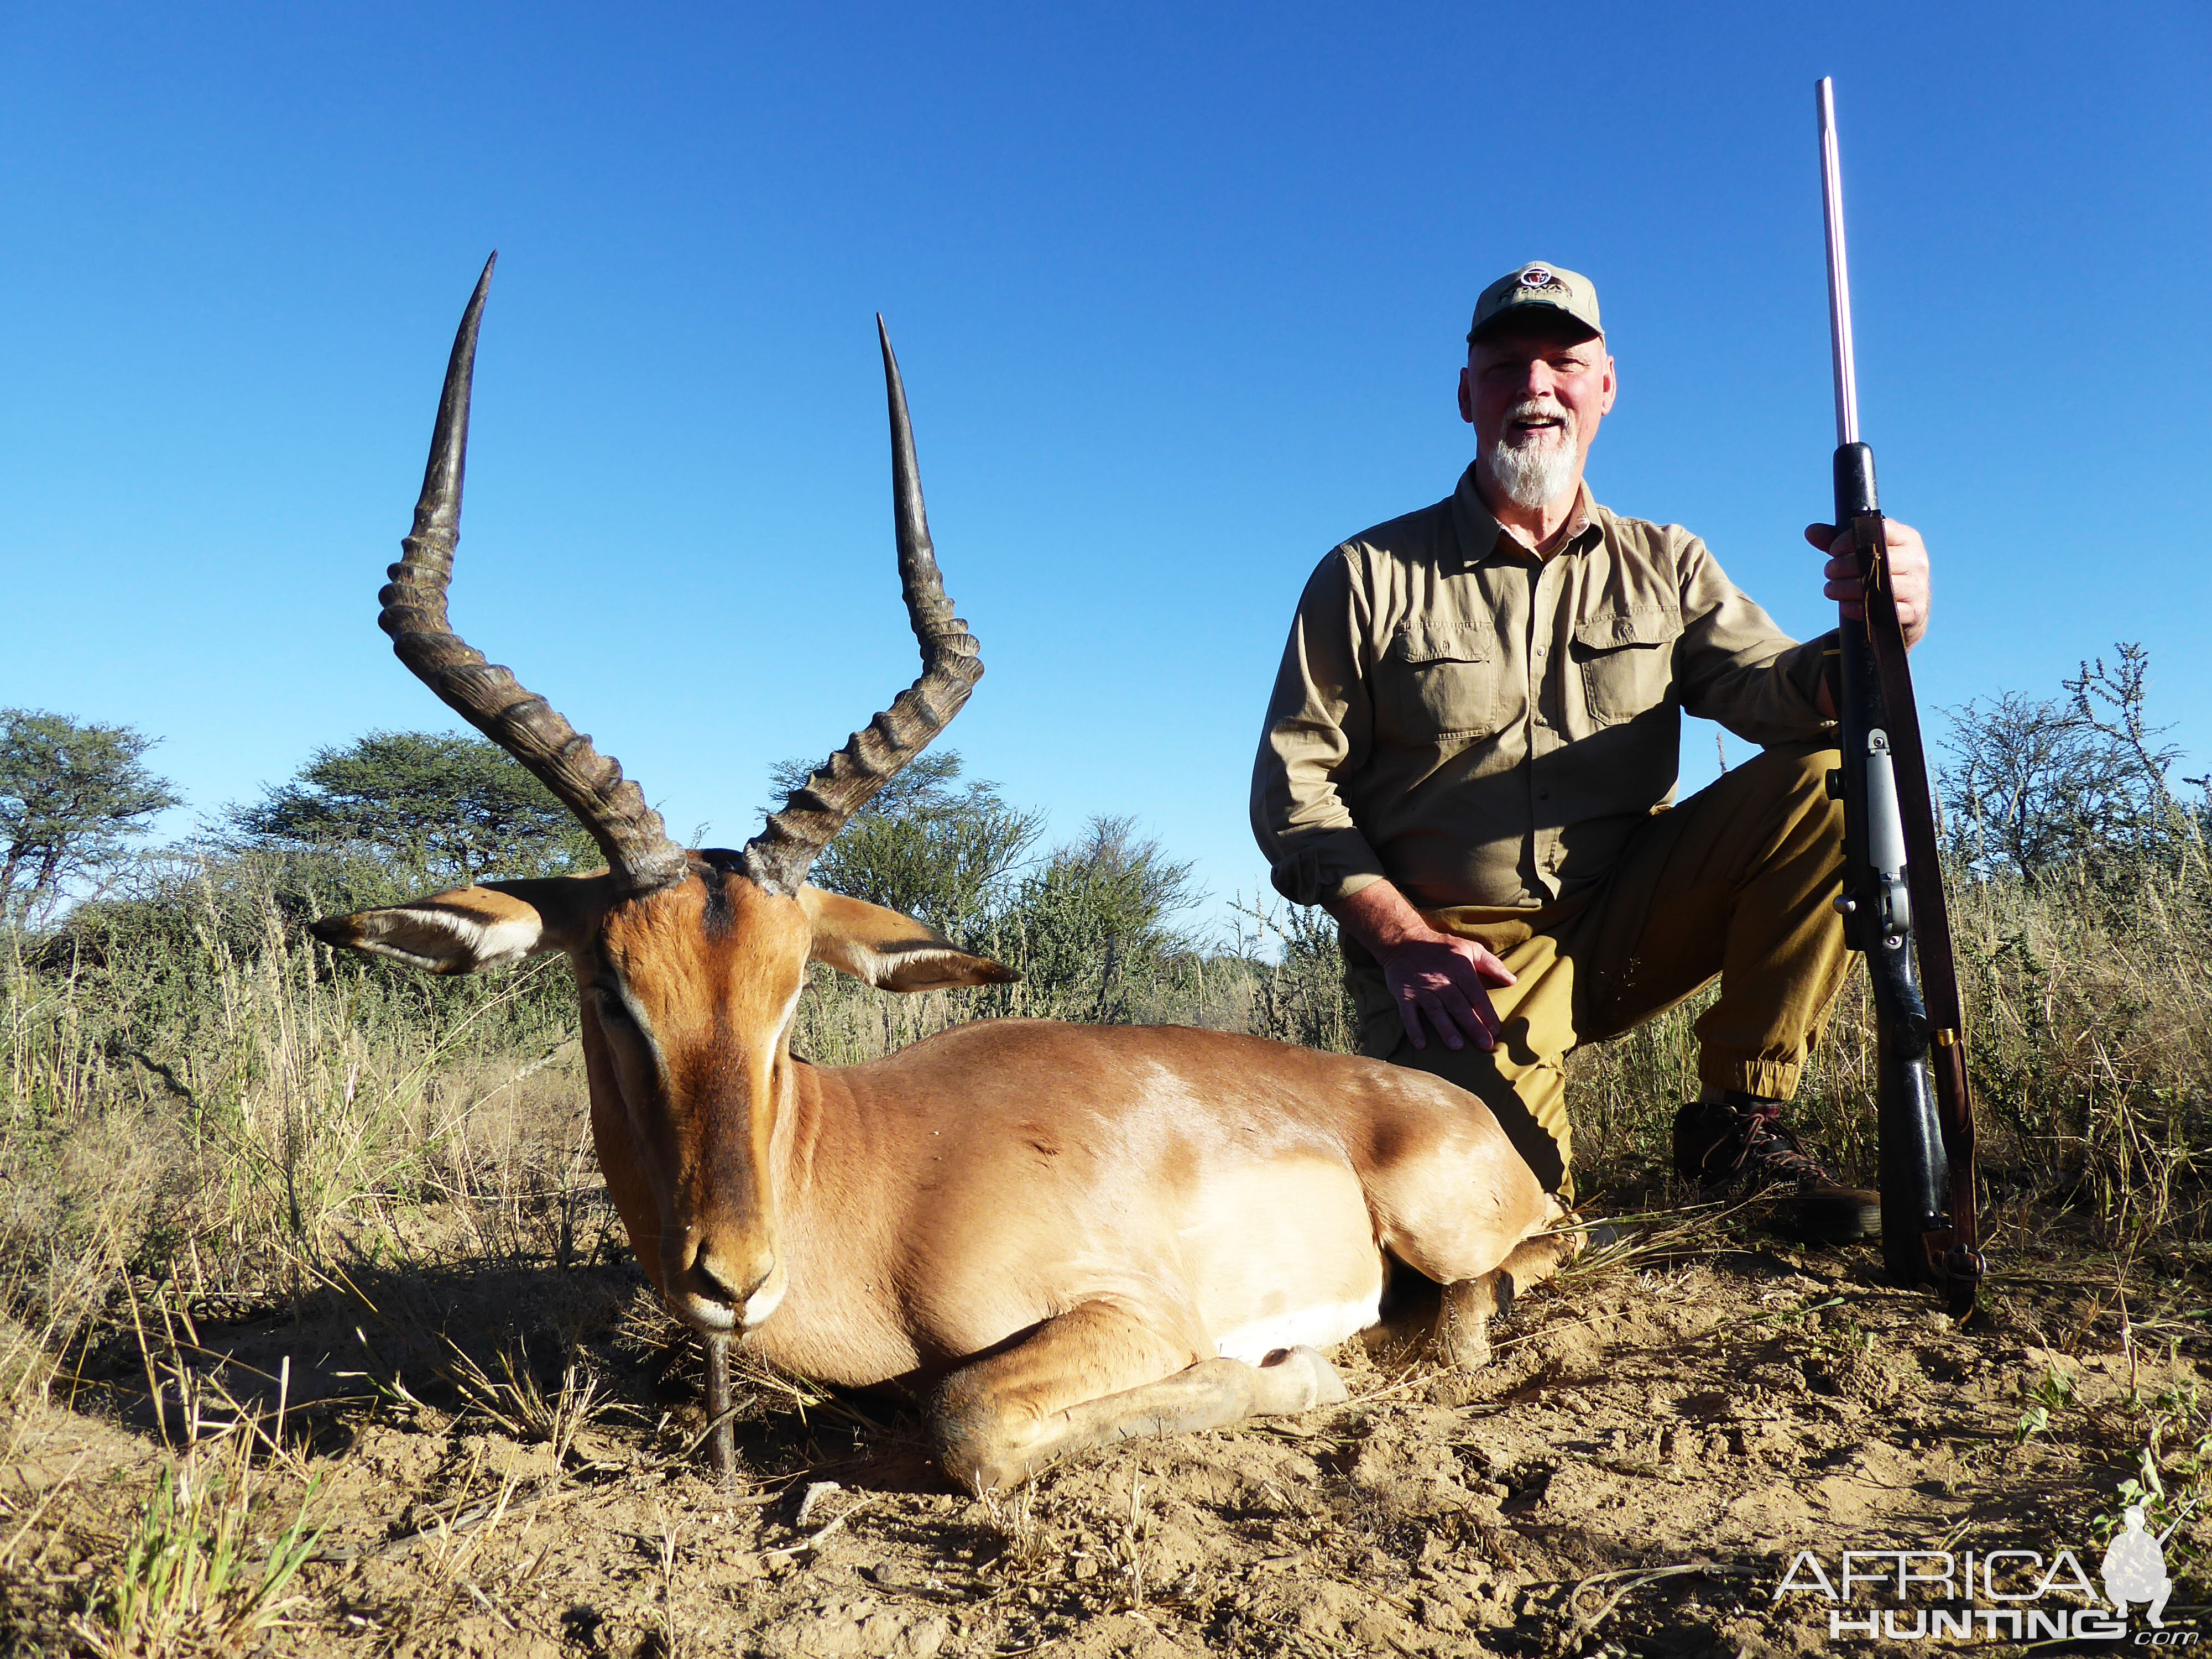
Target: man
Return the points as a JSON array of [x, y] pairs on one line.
[[2135, 1568], [1470, 760]]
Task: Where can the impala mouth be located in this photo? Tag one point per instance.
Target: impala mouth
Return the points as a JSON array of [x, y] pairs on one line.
[[719, 1311], [703, 1313], [765, 1300]]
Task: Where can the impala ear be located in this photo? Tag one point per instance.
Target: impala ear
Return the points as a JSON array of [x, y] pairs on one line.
[[891, 951], [467, 930]]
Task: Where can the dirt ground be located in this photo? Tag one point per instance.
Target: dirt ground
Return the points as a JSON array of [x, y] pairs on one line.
[[1659, 1432]]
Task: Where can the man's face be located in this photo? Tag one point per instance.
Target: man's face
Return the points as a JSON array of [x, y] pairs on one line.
[[1534, 394]]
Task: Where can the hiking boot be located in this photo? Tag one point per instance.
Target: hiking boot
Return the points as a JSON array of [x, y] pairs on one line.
[[1738, 1144]]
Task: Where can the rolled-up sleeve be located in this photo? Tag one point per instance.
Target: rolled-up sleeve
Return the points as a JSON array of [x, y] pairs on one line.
[[1320, 727], [1735, 666]]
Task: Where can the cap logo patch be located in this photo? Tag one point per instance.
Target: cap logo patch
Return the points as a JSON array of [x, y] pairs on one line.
[[1538, 276]]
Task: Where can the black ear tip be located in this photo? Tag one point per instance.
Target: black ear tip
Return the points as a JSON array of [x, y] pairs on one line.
[[332, 930]]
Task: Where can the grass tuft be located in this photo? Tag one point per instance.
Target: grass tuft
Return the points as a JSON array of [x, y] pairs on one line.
[[190, 1579]]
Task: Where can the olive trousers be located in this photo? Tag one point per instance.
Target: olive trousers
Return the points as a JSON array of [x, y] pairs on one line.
[[1738, 881]]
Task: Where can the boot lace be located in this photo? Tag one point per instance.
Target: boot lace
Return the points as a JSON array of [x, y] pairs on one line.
[[1770, 1155]]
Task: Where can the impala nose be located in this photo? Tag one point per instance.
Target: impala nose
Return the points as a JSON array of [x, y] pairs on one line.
[[717, 1279], [744, 1282]]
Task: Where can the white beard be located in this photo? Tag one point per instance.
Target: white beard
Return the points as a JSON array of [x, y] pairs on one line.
[[1540, 469]]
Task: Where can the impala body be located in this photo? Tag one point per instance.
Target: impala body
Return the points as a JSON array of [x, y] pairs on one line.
[[1060, 1235]]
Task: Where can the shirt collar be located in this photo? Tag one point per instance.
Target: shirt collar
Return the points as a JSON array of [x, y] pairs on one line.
[[1481, 536]]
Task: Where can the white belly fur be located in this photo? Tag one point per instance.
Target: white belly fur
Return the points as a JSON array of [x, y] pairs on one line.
[[1320, 1327], [1283, 1253]]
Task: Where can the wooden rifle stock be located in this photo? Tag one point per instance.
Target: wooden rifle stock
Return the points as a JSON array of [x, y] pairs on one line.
[[1894, 908]]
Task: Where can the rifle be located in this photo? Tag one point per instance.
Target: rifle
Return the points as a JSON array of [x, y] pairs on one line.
[[1892, 902]]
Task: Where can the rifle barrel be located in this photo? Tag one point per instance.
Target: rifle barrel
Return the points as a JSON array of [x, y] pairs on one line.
[[1839, 272]]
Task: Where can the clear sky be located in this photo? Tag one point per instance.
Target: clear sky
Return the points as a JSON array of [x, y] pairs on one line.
[[1179, 291]]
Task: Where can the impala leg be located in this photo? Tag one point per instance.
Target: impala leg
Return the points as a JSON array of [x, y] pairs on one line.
[[1462, 1336], [1098, 1374]]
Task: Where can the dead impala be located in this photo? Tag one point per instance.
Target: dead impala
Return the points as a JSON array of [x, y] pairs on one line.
[[1060, 1235]]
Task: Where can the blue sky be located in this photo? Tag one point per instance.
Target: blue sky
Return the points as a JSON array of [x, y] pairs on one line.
[[1179, 293]]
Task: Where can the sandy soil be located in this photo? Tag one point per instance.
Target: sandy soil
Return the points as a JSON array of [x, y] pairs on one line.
[[1658, 1434]]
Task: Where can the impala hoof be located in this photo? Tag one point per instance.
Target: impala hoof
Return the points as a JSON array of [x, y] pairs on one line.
[[1297, 1380]]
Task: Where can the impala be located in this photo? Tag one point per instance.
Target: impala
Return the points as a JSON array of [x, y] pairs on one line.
[[1058, 1235]]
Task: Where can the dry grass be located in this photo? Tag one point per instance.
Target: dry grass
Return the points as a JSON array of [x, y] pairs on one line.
[[204, 1566], [271, 1132], [294, 1122], [2089, 1018], [517, 1403]]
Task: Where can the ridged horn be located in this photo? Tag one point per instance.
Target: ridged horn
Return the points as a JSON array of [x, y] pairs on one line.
[[779, 856], [589, 784]]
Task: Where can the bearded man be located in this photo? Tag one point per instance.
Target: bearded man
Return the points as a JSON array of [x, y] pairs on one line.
[[1471, 756]]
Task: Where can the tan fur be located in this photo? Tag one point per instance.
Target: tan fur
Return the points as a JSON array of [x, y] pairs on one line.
[[1058, 1229]]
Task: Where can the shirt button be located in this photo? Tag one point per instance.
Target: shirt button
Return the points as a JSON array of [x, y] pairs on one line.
[[1543, 794]]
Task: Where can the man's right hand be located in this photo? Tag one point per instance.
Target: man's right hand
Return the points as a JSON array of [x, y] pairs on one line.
[[1433, 976]]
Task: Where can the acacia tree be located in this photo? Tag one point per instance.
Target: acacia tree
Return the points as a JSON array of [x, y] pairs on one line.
[[72, 796], [436, 806], [1094, 917], [2032, 787], [2036, 786]]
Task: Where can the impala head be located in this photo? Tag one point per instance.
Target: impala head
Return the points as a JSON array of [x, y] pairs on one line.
[[688, 963]]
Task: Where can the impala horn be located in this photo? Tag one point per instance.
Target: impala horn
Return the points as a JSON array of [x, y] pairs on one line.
[[589, 784], [778, 858]]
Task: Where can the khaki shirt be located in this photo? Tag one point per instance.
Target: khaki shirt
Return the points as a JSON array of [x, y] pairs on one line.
[[1485, 727]]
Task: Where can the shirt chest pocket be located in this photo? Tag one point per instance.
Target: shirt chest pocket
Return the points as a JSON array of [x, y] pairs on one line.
[[1438, 680], [1627, 660]]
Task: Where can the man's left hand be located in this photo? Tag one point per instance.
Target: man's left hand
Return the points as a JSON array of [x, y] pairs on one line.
[[1908, 575]]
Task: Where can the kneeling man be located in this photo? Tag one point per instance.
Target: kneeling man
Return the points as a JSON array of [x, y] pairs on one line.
[[1471, 756]]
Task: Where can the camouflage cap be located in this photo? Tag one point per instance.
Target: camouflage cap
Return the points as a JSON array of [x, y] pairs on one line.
[[1535, 284]]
